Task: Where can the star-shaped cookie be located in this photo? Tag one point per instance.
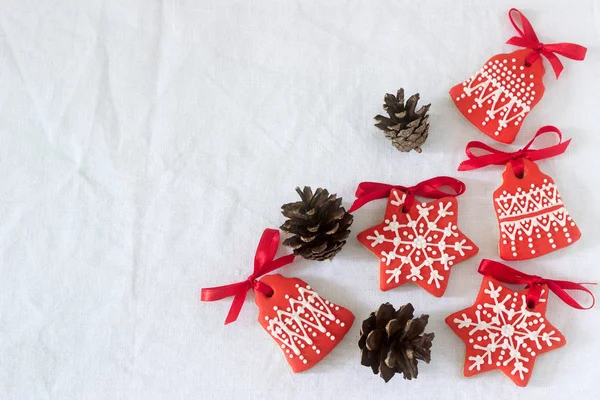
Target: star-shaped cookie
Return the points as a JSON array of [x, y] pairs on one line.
[[502, 332], [420, 245]]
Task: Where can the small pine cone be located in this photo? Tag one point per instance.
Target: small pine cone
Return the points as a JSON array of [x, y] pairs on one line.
[[406, 128], [392, 341], [318, 222]]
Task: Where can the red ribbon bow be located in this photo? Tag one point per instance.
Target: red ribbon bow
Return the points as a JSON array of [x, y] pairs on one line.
[[369, 191], [527, 38], [506, 274], [264, 263], [498, 157]]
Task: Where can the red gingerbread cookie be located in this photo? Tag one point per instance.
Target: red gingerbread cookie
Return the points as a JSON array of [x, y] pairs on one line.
[[532, 218], [498, 98], [531, 215], [507, 329], [418, 245], [502, 332], [305, 326]]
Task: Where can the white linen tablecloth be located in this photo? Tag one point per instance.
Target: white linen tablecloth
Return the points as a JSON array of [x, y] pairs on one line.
[[145, 145]]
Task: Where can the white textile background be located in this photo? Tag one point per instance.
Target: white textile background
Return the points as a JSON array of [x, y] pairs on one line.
[[145, 145]]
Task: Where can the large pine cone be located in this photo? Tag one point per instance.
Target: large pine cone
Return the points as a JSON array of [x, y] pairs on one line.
[[392, 341], [319, 224], [406, 128]]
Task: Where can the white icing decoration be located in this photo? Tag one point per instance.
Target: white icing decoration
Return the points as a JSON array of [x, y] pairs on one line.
[[420, 243], [526, 213], [508, 333], [295, 328], [490, 87]]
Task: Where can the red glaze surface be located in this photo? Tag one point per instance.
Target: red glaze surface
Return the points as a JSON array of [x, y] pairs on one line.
[[419, 246], [304, 325], [532, 218], [499, 97], [500, 332]]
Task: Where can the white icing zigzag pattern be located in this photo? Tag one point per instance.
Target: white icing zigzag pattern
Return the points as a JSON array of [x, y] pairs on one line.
[[507, 90], [306, 317], [536, 214], [420, 243], [526, 202], [527, 226], [506, 332]]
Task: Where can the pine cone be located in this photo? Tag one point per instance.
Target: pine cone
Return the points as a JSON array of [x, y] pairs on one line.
[[392, 342], [319, 224], [406, 128]]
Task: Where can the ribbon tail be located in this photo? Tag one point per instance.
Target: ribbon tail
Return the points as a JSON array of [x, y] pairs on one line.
[[358, 203], [220, 292], [236, 306], [570, 50], [554, 62]]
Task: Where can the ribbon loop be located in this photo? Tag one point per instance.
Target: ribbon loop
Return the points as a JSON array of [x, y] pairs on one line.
[[498, 157], [506, 274], [527, 38], [430, 188], [264, 262]]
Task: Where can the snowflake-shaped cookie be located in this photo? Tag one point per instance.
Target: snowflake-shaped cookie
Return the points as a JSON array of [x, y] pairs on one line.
[[418, 246], [502, 332]]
